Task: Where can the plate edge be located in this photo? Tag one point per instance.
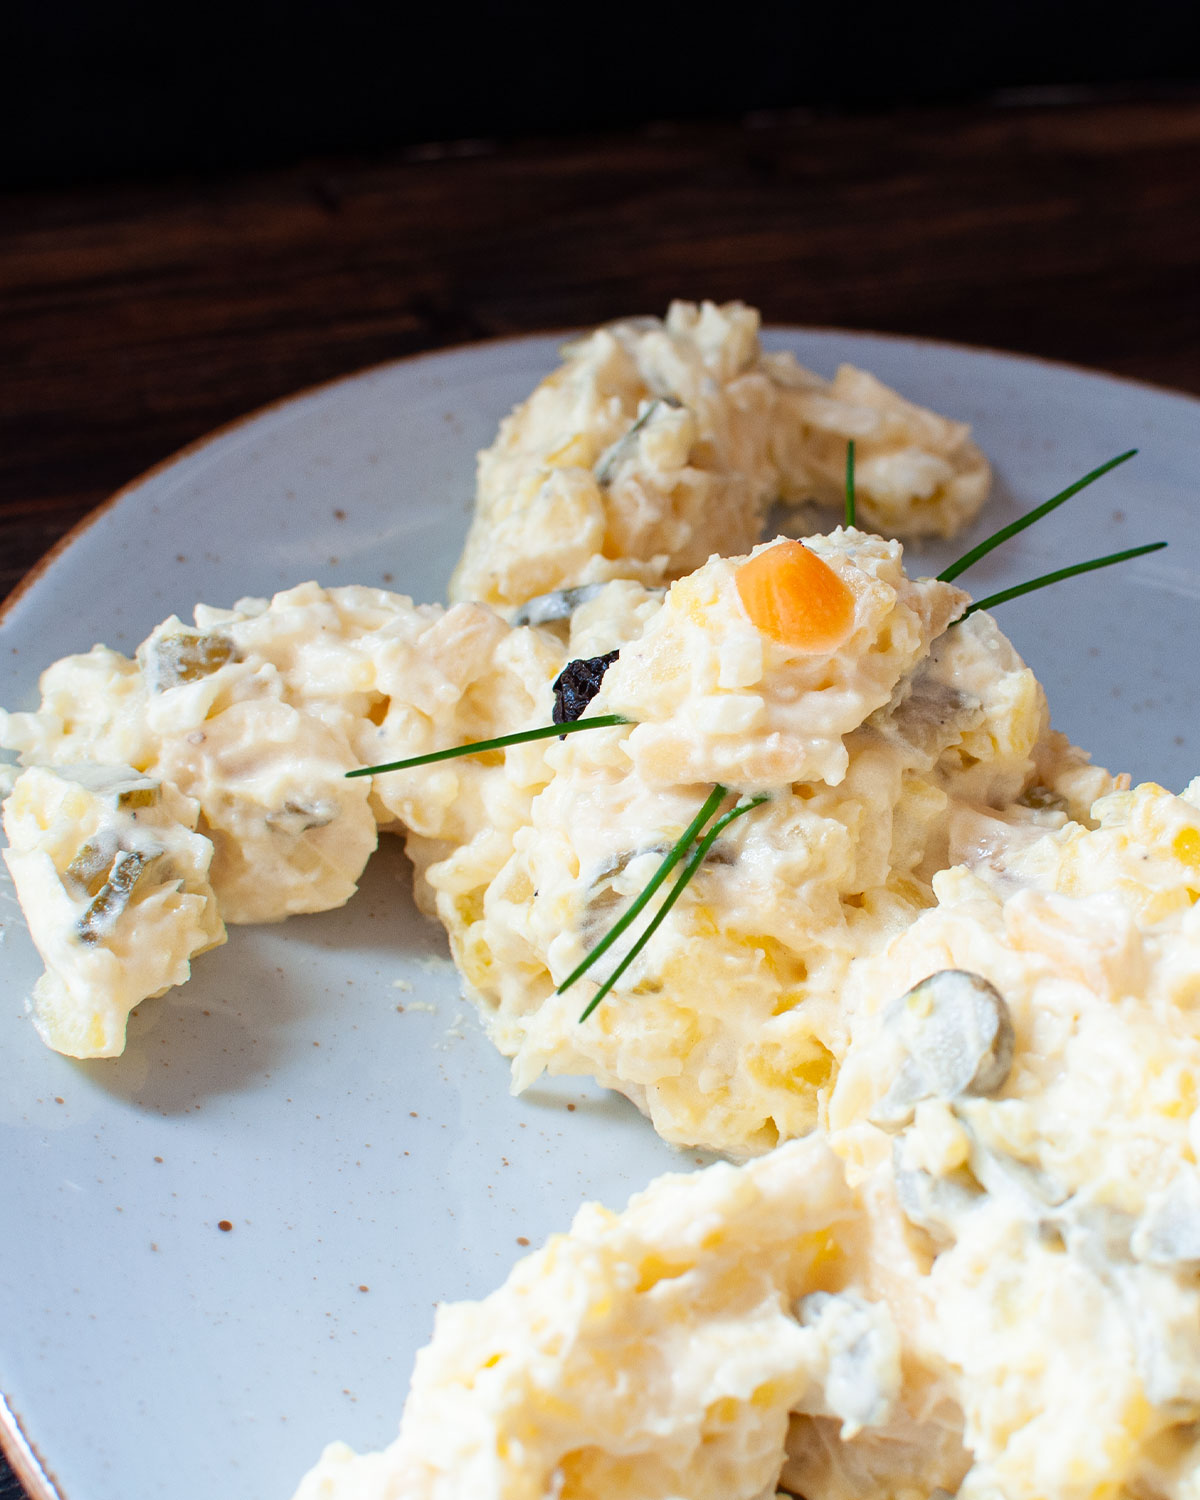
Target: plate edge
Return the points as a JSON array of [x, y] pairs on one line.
[[23, 1458], [225, 429]]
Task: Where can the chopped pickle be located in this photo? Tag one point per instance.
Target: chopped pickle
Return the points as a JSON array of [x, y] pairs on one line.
[[138, 796], [101, 917], [295, 818], [185, 657], [91, 865], [927, 714], [1042, 799], [955, 1036], [603, 902]]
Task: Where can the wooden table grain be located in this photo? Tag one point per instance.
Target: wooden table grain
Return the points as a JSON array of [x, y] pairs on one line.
[[136, 317]]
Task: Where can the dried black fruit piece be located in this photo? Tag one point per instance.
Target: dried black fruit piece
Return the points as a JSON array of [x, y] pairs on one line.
[[577, 684]]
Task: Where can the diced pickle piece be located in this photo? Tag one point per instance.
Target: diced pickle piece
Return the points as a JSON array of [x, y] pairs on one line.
[[128, 793], [137, 797], [292, 834], [110, 901], [117, 898], [603, 903], [930, 715], [1169, 1232], [857, 1364], [955, 1037], [1042, 799], [90, 867], [185, 656], [295, 818], [934, 1204]]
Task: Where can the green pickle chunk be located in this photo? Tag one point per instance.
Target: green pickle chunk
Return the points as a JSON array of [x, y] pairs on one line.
[[138, 796], [1042, 799], [186, 657], [113, 897], [91, 865]]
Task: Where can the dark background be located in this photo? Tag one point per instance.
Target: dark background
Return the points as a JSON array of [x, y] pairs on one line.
[[203, 209], [96, 90]]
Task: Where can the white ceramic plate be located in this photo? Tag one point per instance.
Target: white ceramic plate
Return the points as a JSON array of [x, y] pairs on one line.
[[368, 1157]]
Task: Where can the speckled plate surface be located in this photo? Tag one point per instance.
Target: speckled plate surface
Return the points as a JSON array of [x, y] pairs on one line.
[[320, 1087]]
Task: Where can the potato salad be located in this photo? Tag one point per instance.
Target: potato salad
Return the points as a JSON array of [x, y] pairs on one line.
[[930, 984], [660, 442], [979, 1276], [875, 754]]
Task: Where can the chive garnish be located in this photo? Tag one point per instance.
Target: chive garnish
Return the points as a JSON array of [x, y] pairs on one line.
[[479, 747], [850, 499], [693, 864], [681, 846], [608, 459], [1059, 575], [968, 559]]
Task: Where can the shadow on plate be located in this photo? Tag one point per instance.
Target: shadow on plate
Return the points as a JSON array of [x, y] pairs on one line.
[[258, 1006]]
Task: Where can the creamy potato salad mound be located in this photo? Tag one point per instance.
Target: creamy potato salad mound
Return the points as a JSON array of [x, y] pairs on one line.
[[246, 724], [980, 1277], [913, 742], [657, 1352], [659, 442], [114, 883]]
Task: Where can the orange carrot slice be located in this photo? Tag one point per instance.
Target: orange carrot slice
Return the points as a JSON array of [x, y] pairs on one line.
[[795, 598]]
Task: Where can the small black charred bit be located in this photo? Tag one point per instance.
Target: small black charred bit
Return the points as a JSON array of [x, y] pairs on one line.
[[577, 684]]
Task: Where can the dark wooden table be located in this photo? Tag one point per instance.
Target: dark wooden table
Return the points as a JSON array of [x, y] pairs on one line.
[[134, 318]]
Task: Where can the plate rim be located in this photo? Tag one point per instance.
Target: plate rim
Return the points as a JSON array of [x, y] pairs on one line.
[[23, 1458]]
